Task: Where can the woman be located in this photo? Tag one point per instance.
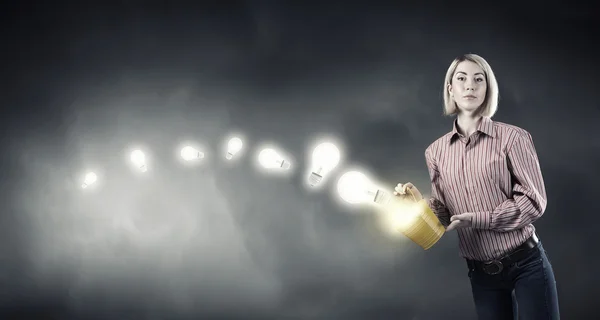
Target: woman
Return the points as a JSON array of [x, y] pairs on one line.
[[487, 185]]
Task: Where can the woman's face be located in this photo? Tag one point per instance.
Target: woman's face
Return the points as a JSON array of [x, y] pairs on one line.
[[468, 86]]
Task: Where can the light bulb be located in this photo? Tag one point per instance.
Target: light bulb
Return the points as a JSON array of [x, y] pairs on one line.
[[325, 157], [90, 178], [188, 153], [139, 160], [270, 159], [233, 146], [354, 187]]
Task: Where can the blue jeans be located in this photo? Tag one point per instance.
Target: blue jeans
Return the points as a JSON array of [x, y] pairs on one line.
[[524, 290]]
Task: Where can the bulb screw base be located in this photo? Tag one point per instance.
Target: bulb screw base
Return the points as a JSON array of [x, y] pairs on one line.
[[314, 179], [381, 197], [285, 165]]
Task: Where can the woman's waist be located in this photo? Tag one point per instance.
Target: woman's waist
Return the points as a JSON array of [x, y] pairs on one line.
[[486, 245]]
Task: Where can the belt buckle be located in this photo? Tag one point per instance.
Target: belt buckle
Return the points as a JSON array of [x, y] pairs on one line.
[[493, 267]]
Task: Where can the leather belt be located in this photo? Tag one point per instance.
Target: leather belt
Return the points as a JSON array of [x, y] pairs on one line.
[[494, 267]]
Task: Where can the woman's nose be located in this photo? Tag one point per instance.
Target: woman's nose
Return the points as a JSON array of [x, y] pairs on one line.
[[469, 85]]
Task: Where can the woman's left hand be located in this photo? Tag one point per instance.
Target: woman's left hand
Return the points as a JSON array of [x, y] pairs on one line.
[[460, 221]]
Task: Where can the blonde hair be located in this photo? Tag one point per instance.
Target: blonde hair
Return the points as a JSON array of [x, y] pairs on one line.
[[490, 103]]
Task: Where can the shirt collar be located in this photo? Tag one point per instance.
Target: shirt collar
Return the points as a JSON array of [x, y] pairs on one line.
[[486, 126]]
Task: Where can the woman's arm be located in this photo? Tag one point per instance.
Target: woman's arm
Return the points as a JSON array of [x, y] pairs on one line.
[[436, 200], [528, 201]]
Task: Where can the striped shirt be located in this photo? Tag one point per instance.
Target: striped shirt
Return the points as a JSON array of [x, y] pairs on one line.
[[494, 174]]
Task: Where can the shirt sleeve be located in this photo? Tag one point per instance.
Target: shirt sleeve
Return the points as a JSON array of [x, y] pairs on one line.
[[435, 202], [528, 201]]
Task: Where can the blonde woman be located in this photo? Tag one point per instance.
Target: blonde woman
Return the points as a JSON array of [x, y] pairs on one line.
[[487, 185]]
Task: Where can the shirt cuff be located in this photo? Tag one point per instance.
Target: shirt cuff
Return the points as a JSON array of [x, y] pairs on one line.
[[482, 220]]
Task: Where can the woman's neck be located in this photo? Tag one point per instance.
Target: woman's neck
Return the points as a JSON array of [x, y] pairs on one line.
[[467, 123]]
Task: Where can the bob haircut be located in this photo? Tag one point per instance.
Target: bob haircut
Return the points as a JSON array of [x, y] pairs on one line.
[[490, 103]]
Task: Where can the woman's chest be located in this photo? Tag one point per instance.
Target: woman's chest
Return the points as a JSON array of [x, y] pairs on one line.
[[477, 164]]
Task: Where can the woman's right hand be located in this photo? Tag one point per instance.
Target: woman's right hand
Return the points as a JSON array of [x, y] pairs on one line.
[[408, 191]]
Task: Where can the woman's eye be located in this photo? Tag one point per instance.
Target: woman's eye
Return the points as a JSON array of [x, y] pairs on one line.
[[480, 79]]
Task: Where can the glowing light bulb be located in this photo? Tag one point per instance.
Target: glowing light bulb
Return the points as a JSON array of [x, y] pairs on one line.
[[325, 157], [233, 146], [188, 153], [90, 178], [270, 159], [354, 187], [139, 160]]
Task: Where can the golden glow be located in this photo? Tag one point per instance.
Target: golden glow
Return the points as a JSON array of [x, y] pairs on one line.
[[416, 221], [400, 214]]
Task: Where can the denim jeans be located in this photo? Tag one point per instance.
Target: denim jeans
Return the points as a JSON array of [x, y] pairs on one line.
[[524, 290]]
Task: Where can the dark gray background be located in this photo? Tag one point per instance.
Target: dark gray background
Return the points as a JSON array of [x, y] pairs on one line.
[[84, 83]]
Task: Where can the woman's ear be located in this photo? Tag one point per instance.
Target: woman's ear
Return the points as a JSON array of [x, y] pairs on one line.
[[449, 88]]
